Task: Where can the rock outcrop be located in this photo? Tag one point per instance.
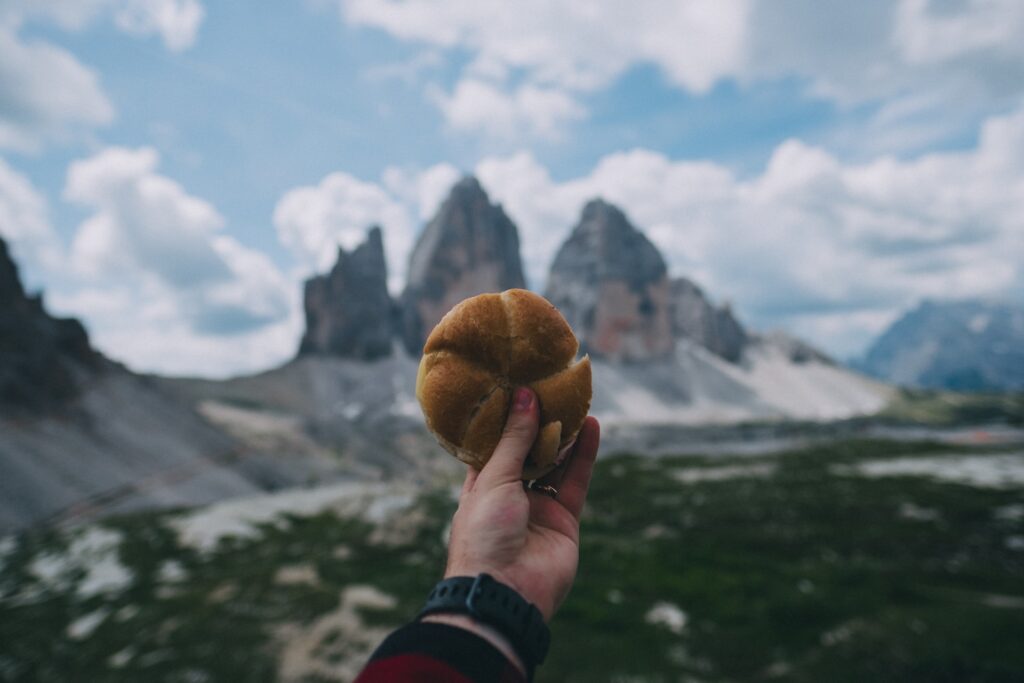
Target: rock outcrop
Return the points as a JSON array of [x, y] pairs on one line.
[[349, 310], [714, 328], [612, 285], [42, 358], [470, 247]]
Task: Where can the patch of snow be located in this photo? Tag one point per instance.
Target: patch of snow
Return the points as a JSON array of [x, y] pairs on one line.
[[406, 405], [813, 389], [979, 323], [297, 575], [1003, 601], [1010, 513], [668, 615], [352, 411], [82, 627], [93, 550], [916, 513], [1015, 542], [335, 645], [983, 471], [121, 658], [171, 571], [203, 529], [691, 475]]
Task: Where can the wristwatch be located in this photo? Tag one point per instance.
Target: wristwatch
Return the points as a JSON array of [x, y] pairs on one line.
[[495, 604]]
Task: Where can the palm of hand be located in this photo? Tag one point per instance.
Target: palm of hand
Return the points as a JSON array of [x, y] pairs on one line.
[[523, 538]]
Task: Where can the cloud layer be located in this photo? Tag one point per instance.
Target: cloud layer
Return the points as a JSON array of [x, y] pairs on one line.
[[928, 60]]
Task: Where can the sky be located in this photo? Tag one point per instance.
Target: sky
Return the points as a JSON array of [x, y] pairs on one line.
[[172, 170]]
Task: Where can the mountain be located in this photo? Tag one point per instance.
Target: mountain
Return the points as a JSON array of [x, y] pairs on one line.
[[348, 310], [44, 359], [611, 284], [714, 328], [664, 354], [470, 247], [82, 436], [959, 345]]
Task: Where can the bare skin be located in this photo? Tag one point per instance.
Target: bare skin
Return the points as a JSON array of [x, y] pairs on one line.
[[523, 538]]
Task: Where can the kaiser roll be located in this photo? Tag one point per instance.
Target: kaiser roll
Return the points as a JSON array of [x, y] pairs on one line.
[[475, 358]]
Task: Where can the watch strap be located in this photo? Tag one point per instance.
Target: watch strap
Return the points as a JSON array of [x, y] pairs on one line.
[[497, 605]]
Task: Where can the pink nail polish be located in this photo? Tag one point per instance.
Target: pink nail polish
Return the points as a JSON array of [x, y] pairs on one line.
[[523, 400]]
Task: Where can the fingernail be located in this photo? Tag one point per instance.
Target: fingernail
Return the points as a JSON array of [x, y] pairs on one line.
[[523, 400]]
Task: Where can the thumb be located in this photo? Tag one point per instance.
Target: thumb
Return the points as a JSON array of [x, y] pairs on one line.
[[506, 464]]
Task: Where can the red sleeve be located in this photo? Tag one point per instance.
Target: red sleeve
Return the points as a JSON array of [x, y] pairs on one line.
[[425, 653]]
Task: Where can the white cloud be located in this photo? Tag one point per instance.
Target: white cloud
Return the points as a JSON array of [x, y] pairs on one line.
[[952, 62], [312, 221], [25, 225], [481, 107], [177, 22], [829, 250], [48, 94], [562, 48], [157, 273]]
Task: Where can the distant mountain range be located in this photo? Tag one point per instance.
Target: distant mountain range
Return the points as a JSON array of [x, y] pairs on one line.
[[662, 351], [958, 345]]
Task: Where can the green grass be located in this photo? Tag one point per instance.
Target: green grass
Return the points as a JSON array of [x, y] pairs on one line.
[[947, 408], [804, 575]]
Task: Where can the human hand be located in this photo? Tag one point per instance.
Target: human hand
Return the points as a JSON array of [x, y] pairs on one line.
[[524, 538]]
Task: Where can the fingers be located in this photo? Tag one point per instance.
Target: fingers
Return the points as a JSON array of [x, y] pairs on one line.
[[572, 490], [506, 464]]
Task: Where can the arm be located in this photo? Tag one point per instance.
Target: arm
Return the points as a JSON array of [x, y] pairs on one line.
[[525, 539]]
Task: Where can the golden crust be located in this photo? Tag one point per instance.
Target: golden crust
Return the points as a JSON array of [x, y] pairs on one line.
[[483, 349]]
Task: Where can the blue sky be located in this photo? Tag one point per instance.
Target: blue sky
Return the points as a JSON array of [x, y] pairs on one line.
[[170, 170]]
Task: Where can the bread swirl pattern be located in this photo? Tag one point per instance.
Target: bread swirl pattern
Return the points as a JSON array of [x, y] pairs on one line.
[[475, 358]]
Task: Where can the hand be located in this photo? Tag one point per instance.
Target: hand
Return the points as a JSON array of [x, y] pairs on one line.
[[523, 538]]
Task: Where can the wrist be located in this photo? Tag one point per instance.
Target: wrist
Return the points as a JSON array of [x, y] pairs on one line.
[[488, 602], [488, 633]]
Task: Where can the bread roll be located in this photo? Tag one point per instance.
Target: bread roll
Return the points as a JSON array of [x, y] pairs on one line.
[[476, 357]]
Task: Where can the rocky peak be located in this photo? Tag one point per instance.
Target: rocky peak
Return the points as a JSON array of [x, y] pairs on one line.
[[470, 247], [611, 283], [348, 310], [42, 358], [695, 318]]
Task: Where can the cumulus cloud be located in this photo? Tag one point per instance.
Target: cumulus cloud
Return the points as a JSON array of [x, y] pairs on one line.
[[481, 107], [48, 95], [561, 48], [177, 22], [938, 66], [313, 221], [153, 263]]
